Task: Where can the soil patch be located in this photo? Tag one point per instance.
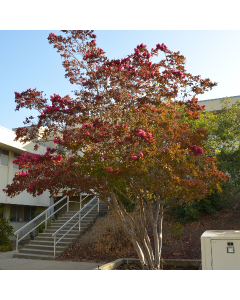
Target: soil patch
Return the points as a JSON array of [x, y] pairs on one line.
[[179, 241], [138, 267]]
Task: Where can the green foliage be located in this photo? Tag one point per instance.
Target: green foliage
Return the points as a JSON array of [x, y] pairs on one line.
[[5, 248], [223, 127], [176, 230], [124, 196], [230, 163], [128, 205], [6, 230], [210, 205], [223, 138]]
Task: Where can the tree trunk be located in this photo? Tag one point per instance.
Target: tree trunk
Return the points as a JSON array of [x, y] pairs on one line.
[[135, 227]]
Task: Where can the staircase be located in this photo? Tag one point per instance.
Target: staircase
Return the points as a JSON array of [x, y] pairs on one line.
[[42, 247]]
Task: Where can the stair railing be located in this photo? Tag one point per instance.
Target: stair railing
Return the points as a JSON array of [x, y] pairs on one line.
[[45, 212], [78, 222]]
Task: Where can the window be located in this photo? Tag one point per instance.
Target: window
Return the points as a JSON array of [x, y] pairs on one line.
[[4, 157], [1, 215], [16, 213], [27, 213], [22, 213]]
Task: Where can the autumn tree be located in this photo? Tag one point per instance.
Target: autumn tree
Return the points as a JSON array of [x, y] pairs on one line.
[[127, 134]]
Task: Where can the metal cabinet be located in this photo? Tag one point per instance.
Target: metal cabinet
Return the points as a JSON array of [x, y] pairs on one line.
[[220, 250]]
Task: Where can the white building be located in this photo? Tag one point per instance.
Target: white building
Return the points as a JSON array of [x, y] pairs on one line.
[[22, 207], [215, 104]]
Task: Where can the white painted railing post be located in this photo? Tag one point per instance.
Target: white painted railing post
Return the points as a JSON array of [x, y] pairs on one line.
[[54, 246], [80, 213], [79, 222], [46, 221], [17, 244], [67, 203]]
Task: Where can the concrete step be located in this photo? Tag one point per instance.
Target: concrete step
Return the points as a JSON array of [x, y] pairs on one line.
[[33, 256], [68, 226], [71, 224], [48, 243], [42, 247], [87, 208], [84, 211], [72, 233], [75, 230], [37, 252], [50, 239], [94, 204], [69, 235], [91, 213], [46, 247], [65, 229], [61, 232], [75, 220]]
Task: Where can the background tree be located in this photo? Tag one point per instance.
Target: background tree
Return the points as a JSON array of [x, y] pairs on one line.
[[123, 136], [223, 136]]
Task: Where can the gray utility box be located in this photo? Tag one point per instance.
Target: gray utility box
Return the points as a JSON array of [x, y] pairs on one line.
[[220, 250]]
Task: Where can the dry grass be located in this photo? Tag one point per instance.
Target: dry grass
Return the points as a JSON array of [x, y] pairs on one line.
[[106, 240]]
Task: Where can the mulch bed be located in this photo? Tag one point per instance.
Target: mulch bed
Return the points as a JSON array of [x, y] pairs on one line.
[[184, 245], [138, 267]]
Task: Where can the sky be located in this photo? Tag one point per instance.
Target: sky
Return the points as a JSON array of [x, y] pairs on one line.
[[27, 60]]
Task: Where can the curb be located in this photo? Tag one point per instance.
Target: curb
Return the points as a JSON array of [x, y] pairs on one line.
[[166, 262]]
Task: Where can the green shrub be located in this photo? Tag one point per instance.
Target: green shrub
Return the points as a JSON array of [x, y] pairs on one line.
[[176, 230], [5, 248], [211, 205], [6, 230]]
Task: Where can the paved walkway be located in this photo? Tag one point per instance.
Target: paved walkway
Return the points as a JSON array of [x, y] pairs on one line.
[[7, 262]]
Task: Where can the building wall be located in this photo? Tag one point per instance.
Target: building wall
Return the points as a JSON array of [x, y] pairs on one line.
[[3, 182], [6, 177], [24, 201], [19, 224], [215, 104]]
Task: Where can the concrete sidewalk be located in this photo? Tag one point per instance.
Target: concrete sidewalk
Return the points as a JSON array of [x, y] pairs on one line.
[[7, 262]]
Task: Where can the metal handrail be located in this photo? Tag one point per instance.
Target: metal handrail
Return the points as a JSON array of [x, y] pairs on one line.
[[76, 224], [78, 213], [73, 217], [43, 221], [37, 217]]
